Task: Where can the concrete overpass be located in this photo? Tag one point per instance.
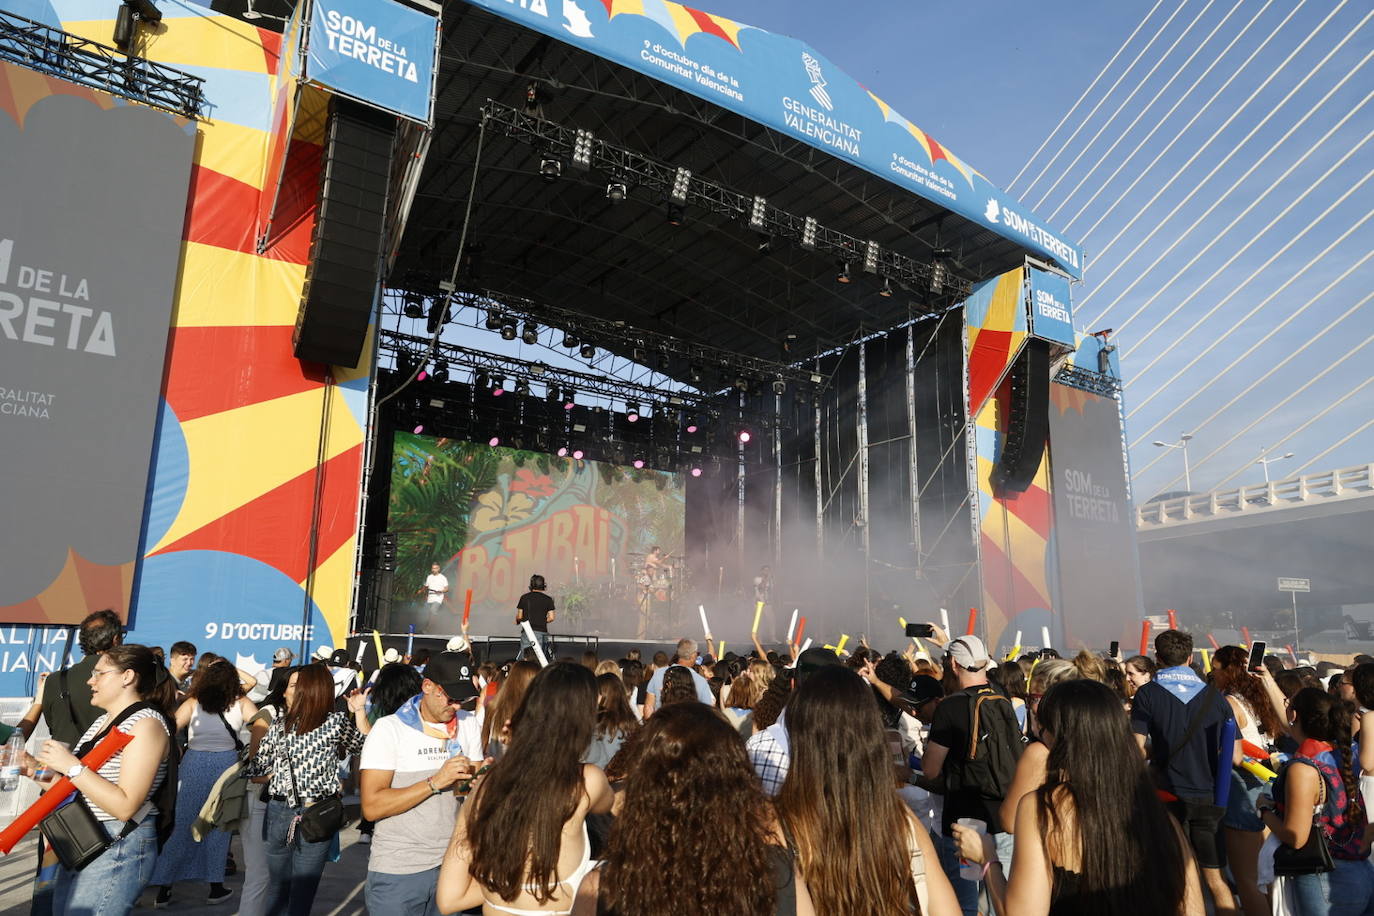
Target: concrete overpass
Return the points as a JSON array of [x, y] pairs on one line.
[[1218, 552]]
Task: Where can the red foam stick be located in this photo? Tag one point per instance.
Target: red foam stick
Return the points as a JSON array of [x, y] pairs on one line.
[[1250, 749], [1245, 635], [801, 628], [1144, 636], [467, 607], [1213, 640], [1293, 655], [972, 620], [1173, 619], [58, 792]]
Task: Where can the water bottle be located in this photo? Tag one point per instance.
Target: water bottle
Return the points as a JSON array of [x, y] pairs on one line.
[[11, 760]]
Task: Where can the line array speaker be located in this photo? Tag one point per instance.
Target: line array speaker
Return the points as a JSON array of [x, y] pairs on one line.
[[345, 250], [1028, 419]]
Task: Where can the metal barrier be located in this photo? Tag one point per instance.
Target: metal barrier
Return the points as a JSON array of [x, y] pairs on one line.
[[1308, 489]]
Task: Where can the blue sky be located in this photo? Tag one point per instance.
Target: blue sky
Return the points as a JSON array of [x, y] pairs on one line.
[[1221, 206]]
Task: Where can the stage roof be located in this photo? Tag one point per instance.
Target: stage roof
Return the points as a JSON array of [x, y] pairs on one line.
[[756, 113]]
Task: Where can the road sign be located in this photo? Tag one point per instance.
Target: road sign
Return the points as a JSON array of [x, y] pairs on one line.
[[1290, 584]]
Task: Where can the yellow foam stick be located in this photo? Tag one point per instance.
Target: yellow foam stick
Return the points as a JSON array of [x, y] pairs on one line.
[[758, 612], [1206, 662], [902, 621], [1015, 651], [377, 641], [844, 638], [721, 649], [1259, 769]]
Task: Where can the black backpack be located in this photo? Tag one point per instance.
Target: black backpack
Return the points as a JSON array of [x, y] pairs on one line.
[[988, 763]]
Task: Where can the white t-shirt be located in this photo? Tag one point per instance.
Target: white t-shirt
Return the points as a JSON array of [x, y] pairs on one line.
[[415, 840], [435, 587]]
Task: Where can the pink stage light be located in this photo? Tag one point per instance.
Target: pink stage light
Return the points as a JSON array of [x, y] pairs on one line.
[[577, 454], [691, 427], [568, 404], [639, 462], [563, 452], [494, 441], [422, 376], [419, 428], [744, 435], [696, 472], [497, 391]]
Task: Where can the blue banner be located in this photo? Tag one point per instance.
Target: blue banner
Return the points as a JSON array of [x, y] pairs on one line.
[[787, 85], [1051, 310], [376, 51]]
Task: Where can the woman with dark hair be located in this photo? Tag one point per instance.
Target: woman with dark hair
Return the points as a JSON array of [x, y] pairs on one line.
[[395, 683], [1140, 670], [615, 721], [1260, 725], [690, 777], [860, 848], [520, 844], [135, 694], [1030, 768], [500, 711], [253, 897], [1095, 838], [1321, 777], [678, 686], [300, 755], [213, 714]]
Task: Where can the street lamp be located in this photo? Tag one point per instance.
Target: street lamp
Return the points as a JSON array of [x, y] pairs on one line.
[[1181, 444], [1263, 462]]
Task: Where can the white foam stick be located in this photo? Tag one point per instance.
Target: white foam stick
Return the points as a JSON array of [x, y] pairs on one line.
[[1017, 644], [705, 627], [792, 627], [1044, 637], [612, 569], [944, 620], [804, 646], [534, 644], [362, 647]]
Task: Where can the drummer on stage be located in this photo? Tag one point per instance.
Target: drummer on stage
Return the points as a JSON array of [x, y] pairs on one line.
[[536, 607]]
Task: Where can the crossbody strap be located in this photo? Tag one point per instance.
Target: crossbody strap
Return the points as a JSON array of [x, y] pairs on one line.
[[290, 766], [233, 733], [1203, 698], [66, 694]]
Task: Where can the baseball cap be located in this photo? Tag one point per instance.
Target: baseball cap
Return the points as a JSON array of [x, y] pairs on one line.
[[283, 655], [339, 659], [922, 689], [452, 671], [812, 660], [968, 652]]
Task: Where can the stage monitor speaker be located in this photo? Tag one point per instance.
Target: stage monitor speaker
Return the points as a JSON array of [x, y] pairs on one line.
[[1028, 420], [346, 248]]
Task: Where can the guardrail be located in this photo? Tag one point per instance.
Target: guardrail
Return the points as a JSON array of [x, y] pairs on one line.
[[1265, 497]]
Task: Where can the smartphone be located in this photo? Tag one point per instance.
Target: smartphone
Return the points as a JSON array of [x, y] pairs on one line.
[[1257, 655], [1115, 650], [923, 630]]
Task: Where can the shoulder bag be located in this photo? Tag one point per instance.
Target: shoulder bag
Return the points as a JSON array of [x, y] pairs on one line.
[[325, 817], [1313, 857]]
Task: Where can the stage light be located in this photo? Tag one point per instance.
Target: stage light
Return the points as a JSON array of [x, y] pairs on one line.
[[809, 227], [939, 269], [441, 370], [421, 375], [439, 315], [741, 383], [481, 380], [569, 341], [843, 276], [498, 386], [639, 463], [745, 436], [494, 320], [871, 258], [577, 454], [563, 452], [550, 169], [616, 191], [696, 472], [552, 395], [695, 375], [494, 441], [632, 411], [582, 149], [414, 305], [568, 402], [758, 214], [682, 183], [508, 331], [419, 428], [588, 351], [779, 386], [886, 291], [522, 386], [691, 427], [677, 214], [530, 334]]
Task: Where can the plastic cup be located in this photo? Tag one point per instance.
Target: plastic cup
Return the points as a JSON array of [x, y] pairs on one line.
[[971, 871], [44, 773]]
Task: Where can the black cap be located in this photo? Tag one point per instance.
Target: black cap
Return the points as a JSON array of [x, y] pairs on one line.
[[452, 671], [922, 689], [812, 660], [340, 658]]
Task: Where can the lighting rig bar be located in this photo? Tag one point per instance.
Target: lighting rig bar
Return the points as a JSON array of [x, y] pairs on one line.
[[583, 151], [1087, 380], [596, 386]]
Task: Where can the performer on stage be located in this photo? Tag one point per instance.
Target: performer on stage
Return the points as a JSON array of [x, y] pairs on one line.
[[655, 566], [435, 591], [536, 607], [763, 592]]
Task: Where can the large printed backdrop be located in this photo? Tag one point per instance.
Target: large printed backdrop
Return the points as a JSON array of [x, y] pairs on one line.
[[492, 517]]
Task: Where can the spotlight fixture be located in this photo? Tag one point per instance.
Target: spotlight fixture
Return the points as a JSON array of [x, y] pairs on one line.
[[568, 402], [939, 269], [494, 441], [809, 228], [553, 396], [439, 315], [441, 370], [582, 149], [871, 257], [843, 276], [639, 463], [741, 383], [696, 472], [494, 320], [569, 340], [421, 375], [414, 305], [886, 291], [632, 411], [498, 386], [419, 428], [550, 169], [563, 452], [587, 350], [745, 436], [508, 330], [758, 214], [677, 214], [522, 386], [616, 191], [779, 386], [577, 454], [691, 426], [531, 333], [682, 183], [481, 380]]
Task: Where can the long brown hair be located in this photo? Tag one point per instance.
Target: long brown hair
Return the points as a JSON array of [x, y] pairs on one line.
[[1131, 857], [695, 820], [839, 803], [515, 832], [1327, 718], [1230, 674], [312, 701], [154, 684], [216, 687], [678, 686], [613, 713], [508, 698], [744, 691]]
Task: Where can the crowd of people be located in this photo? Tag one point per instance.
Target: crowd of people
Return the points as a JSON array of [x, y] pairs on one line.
[[875, 782]]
